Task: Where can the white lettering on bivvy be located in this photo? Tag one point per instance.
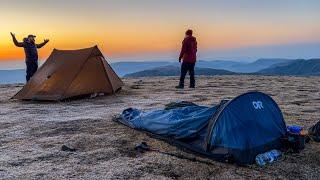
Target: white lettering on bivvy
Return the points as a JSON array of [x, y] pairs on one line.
[[257, 104]]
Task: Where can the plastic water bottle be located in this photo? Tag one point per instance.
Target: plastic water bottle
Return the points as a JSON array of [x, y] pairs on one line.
[[274, 155], [260, 160], [268, 157]]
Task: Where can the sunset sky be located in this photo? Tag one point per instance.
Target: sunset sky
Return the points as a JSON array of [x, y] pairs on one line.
[[153, 29]]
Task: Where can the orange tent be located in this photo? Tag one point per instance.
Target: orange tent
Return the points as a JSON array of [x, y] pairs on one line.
[[71, 73]]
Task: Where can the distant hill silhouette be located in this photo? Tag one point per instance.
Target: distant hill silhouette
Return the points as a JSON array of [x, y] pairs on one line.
[[219, 64], [175, 71], [257, 65], [12, 76], [297, 67], [122, 68], [216, 67]]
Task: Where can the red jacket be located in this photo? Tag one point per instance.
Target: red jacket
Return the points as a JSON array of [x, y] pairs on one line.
[[189, 50]]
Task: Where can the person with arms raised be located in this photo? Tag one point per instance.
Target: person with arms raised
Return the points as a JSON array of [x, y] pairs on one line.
[[31, 52]]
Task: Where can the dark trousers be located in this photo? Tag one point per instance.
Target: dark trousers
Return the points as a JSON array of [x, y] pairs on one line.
[[187, 67], [32, 67]]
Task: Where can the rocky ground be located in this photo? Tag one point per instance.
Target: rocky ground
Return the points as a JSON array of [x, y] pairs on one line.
[[32, 133]]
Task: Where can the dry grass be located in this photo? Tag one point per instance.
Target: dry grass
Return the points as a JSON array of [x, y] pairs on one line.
[[32, 133]]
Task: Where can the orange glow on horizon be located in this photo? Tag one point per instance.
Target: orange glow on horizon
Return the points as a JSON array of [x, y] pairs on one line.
[[124, 29], [146, 42]]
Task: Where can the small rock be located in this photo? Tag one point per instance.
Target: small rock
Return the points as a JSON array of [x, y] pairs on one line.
[[66, 148]]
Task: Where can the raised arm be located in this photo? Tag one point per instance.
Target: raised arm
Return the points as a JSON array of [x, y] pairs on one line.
[[42, 44], [15, 41]]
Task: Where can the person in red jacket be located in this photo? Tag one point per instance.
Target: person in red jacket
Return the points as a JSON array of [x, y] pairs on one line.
[[188, 55]]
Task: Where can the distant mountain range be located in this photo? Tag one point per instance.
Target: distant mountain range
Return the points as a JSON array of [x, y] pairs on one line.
[[220, 64], [297, 68], [12, 76], [123, 68], [242, 67], [175, 71], [274, 67], [257, 65], [217, 67]]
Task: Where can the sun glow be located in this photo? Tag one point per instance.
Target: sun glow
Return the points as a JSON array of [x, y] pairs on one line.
[[121, 29]]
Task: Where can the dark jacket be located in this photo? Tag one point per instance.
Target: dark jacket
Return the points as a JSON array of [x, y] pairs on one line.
[[189, 50], [30, 49]]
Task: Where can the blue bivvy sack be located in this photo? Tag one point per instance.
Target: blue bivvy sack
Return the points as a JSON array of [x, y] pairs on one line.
[[236, 130]]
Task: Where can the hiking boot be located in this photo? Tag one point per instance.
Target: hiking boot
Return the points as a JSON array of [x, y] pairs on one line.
[[192, 87], [179, 87]]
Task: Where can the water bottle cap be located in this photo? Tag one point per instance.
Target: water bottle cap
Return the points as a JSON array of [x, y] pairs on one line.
[[294, 129]]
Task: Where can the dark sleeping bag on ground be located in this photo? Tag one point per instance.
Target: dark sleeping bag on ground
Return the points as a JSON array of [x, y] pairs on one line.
[[176, 123], [314, 132]]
